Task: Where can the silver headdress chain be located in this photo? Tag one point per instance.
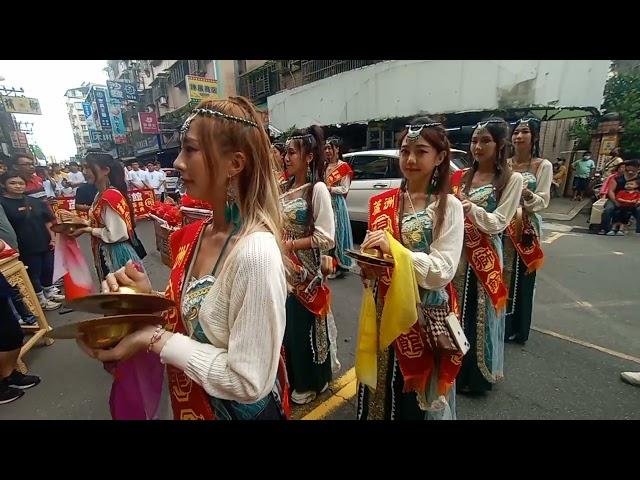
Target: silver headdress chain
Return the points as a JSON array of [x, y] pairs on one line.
[[415, 130], [207, 112]]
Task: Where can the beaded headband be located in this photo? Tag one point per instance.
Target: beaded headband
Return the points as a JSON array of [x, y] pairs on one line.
[[207, 112], [299, 137], [415, 130], [527, 121], [484, 124]]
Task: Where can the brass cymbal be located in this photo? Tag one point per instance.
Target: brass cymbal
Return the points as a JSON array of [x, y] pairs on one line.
[[121, 303], [105, 332], [369, 259]]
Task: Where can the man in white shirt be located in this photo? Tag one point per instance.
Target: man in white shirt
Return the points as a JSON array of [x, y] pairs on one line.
[[137, 178], [74, 179], [163, 184], [155, 179]]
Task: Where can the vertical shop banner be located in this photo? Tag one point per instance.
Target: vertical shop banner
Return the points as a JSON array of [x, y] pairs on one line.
[[88, 111], [118, 127], [91, 124], [103, 108]]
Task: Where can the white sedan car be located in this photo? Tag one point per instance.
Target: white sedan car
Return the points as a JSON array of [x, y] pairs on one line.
[[375, 171]]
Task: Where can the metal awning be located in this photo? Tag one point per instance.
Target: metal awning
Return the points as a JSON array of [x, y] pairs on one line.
[[542, 112]]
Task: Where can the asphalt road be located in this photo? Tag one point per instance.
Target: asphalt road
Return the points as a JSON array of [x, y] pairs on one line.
[[586, 325]]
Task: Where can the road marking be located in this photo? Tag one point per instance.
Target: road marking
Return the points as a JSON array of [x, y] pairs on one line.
[[556, 235], [617, 253], [553, 237], [572, 305], [347, 385], [577, 341], [572, 295]]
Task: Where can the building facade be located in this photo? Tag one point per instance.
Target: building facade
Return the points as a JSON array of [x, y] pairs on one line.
[[368, 102], [75, 111], [167, 89]]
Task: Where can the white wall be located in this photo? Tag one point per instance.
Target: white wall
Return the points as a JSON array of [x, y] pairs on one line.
[[404, 87]]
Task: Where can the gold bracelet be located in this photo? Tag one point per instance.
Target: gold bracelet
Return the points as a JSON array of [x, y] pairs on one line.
[[157, 335]]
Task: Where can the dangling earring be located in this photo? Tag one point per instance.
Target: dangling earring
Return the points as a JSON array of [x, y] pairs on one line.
[[433, 186], [231, 210], [309, 173]]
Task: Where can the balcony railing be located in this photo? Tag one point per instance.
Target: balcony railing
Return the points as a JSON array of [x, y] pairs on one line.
[[314, 70], [260, 83]]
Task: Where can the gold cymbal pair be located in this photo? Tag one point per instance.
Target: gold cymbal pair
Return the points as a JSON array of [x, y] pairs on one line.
[[126, 310]]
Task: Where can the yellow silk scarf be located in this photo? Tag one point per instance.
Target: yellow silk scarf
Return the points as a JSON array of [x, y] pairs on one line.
[[399, 313]]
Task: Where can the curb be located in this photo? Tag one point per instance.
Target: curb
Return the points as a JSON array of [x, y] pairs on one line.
[[566, 216]]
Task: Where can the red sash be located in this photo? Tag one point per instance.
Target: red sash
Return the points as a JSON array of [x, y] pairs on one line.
[[342, 170], [481, 256], [532, 254], [415, 359], [189, 401], [118, 203], [318, 300]]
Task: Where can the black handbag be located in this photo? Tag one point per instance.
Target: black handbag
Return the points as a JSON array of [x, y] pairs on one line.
[[138, 246]]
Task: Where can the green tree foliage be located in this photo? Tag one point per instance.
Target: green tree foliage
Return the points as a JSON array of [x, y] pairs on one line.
[[581, 130], [622, 95]]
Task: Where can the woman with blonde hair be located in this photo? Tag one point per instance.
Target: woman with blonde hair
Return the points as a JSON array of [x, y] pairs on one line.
[[222, 343]]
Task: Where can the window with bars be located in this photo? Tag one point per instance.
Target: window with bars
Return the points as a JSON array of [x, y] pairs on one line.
[[178, 71], [258, 84], [159, 89], [314, 70], [198, 67]]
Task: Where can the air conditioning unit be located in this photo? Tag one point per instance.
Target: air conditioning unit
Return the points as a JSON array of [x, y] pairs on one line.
[[163, 101]]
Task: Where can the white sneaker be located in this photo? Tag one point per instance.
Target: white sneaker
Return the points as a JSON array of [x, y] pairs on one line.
[[302, 398], [632, 378], [56, 297], [49, 305]]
